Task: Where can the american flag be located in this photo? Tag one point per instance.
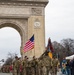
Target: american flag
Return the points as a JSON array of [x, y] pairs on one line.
[[29, 44]]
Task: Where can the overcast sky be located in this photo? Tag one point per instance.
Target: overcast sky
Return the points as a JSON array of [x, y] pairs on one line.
[[59, 24], [10, 42], [59, 19]]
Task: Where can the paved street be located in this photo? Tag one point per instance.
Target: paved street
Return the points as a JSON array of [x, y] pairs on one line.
[[59, 73], [9, 74], [4, 73]]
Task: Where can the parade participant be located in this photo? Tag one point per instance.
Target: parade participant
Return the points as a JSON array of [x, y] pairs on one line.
[[54, 63], [20, 65], [49, 53], [27, 66], [24, 66], [34, 66], [16, 66], [40, 67], [47, 62], [68, 67], [45, 65]]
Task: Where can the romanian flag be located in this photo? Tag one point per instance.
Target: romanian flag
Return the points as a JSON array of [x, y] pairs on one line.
[[29, 44]]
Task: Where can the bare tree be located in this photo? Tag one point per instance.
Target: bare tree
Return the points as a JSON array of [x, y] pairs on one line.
[[10, 58], [68, 44], [58, 50]]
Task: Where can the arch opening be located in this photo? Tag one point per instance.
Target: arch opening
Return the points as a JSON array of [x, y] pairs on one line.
[[11, 39]]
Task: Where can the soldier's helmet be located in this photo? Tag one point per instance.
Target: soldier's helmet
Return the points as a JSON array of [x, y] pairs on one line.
[[54, 56], [33, 57], [16, 56], [25, 57]]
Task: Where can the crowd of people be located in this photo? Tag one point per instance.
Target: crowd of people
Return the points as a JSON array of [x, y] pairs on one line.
[[35, 66], [67, 67], [42, 66]]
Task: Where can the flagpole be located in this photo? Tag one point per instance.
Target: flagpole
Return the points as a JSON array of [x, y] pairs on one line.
[[34, 50], [34, 44]]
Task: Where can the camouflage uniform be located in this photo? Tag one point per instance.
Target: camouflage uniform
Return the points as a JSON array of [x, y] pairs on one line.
[[20, 66], [47, 62], [29, 68], [54, 64], [24, 65], [34, 66], [16, 66], [39, 67]]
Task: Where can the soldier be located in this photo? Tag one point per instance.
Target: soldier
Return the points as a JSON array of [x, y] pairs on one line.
[[20, 66], [16, 66], [48, 66], [39, 67], [24, 66], [47, 62], [34, 66], [54, 63], [27, 66]]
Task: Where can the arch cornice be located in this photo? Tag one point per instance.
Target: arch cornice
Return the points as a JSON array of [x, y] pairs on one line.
[[42, 3]]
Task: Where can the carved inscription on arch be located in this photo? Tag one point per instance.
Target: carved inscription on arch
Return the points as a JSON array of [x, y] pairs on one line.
[[36, 11]]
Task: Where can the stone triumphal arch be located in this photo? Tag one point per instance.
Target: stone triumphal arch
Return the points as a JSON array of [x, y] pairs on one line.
[[28, 18]]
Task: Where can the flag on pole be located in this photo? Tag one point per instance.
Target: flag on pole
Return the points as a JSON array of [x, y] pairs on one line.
[[29, 44], [50, 48]]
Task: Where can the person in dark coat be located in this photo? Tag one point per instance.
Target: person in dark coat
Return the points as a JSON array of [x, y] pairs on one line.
[[72, 67], [68, 67]]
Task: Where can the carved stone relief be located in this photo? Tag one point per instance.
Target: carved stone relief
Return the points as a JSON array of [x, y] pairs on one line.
[[36, 11]]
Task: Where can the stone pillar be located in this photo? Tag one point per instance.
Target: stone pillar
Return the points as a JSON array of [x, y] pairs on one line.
[[36, 27]]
